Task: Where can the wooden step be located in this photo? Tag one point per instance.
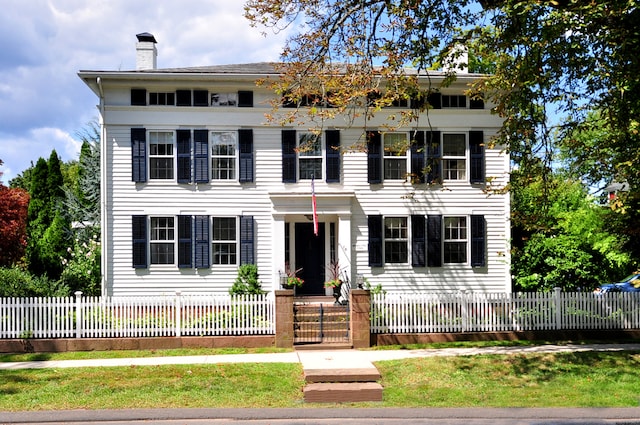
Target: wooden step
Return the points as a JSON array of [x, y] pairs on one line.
[[342, 392], [341, 375]]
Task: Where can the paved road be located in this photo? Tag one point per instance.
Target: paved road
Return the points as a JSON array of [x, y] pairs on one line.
[[333, 416]]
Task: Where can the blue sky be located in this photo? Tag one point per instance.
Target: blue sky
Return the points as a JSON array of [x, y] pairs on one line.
[[44, 43]]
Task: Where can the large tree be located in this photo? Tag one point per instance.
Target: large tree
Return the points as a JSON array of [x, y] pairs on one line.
[[13, 225], [48, 226], [554, 61]]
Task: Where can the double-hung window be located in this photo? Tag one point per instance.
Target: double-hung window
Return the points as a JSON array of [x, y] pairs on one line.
[[455, 240], [454, 154], [396, 239], [310, 156], [162, 240], [395, 156], [161, 155], [430, 241], [225, 240], [224, 151]]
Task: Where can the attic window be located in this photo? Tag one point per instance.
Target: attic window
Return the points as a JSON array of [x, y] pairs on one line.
[[454, 101], [224, 99], [162, 98]]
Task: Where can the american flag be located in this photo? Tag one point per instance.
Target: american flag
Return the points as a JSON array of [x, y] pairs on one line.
[[313, 204]]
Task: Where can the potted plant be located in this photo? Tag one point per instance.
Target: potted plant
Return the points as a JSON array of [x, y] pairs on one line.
[[290, 280], [334, 282]]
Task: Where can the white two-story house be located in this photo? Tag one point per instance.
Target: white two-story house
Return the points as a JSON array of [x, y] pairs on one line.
[[196, 183]]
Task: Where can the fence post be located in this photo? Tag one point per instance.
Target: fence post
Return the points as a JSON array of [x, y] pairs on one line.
[[284, 318], [557, 295], [360, 304], [79, 319], [178, 314], [464, 304]]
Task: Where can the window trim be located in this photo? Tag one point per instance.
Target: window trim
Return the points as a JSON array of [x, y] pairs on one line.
[[466, 240], [443, 158], [173, 242], [405, 227], [300, 157], [392, 156], [227, 242], [174, 155], [235, 156]]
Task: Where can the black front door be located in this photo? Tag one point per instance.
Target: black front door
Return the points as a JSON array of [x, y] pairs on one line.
[[310, 258]]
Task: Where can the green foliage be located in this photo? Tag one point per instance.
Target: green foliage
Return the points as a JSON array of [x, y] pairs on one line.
[[82, 270], [48, 227], [247, 281], [565, 241], [15, 282]]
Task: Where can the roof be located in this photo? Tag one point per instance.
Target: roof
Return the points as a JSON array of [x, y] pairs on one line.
[[256, 68]]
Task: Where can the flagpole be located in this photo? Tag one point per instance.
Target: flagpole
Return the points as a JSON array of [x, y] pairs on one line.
[[313, 204]]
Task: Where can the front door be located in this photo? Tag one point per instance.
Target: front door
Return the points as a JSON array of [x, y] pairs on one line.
[[310, 258]]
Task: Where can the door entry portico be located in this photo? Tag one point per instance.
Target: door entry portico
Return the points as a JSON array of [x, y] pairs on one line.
[[310, 257]]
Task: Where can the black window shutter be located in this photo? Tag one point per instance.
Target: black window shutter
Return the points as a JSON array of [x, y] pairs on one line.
[[374, 157], [418, 156], [418, 240], [201, 237], [475, 103], [185, 242], [476, 148], [435, 100], [432, 145], [201, 156], [332, 138], [245, 99], [139, 239], [139, 154], [289, 170], [200, 98], [247, 240], [183, 97], [138, 97], [478, 241], [434, 241], [245, 139], [184, 155], [375, 240]]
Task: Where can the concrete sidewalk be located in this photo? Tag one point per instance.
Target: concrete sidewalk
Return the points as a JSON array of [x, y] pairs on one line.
[[311, 359]]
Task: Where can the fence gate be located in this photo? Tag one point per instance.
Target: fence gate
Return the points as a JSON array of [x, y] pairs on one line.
[[321, 323]]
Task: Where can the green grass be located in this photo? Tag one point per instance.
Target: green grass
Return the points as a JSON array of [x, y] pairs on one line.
[[591, 379], [188, 386], [584, 379], [81, 355]]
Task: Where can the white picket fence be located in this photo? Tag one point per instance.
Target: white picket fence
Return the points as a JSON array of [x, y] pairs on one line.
[[495, 312], [121, 317]]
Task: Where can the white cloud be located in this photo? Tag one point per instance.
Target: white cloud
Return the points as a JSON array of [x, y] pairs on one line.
[[44, 44]]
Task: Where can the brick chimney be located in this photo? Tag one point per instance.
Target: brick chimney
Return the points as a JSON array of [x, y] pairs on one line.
[[146, 52]]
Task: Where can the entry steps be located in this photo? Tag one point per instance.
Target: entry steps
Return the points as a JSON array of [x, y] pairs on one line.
[[321, 323], [339, 376]]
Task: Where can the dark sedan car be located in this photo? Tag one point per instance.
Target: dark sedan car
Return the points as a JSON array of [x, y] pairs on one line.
[[629, 284]]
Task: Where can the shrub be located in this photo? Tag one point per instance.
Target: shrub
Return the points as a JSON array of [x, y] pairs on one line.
[[247, 281], [15, 282]]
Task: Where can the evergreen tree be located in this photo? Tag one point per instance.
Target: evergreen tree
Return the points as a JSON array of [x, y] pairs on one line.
[[48, 226]]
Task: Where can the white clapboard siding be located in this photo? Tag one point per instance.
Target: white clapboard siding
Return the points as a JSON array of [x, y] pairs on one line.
[[123, 198]]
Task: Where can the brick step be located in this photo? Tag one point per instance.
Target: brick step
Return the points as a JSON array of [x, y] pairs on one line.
[[368, 374], [342, 392]]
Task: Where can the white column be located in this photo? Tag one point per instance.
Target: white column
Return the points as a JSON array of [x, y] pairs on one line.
[[344, 245], [277, 253]]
